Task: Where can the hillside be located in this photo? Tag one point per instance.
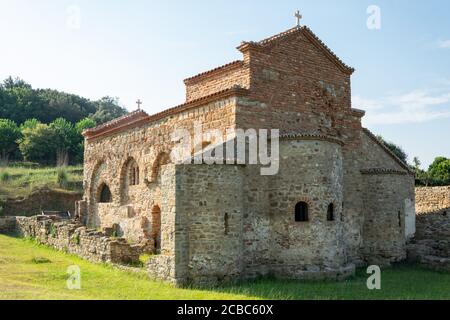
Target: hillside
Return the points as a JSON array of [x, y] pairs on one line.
[[25, 190]]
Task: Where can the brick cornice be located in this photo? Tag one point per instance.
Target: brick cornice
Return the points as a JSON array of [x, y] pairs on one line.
[[384, 171], [312, 137]]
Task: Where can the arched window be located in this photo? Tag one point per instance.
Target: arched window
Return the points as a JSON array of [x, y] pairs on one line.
[[330, 212], [161, 160], [133, 173], [301, 212], [105, 194]]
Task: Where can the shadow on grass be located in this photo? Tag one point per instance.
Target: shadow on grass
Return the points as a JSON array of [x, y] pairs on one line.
[[402, 281]]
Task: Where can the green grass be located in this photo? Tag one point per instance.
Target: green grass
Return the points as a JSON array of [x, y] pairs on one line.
[[30, 271], [20, 181]]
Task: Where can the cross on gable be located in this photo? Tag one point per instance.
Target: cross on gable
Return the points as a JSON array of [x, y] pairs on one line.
[[298, 16], [139, 103]]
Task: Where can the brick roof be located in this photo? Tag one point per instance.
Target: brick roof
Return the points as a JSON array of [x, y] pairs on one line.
[[310, 35], [119, 122]]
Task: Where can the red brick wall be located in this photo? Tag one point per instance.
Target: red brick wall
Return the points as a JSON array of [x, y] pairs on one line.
[[301, 88], [218, 81]]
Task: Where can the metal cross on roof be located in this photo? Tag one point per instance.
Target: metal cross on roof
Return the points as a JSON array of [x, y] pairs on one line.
[[139, 103], [298, 16]]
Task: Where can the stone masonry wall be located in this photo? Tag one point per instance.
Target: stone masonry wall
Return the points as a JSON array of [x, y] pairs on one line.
[[149, 146], [432, 199], [235, 223], [310, 171], [385, 201], [71, 237], [431, 246], [209, 209]]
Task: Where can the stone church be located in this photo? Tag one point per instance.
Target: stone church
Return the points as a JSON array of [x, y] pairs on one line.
[[340, 200]]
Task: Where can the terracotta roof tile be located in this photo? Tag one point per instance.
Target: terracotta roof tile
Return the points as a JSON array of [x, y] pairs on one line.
[[132, 116]]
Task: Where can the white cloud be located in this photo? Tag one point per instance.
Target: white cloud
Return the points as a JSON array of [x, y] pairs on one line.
[[444, 44], [413, 107]]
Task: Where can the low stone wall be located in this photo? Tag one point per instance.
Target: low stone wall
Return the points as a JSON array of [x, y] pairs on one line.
[[71, 237], [432, 199], [431, 245], [42, 199]]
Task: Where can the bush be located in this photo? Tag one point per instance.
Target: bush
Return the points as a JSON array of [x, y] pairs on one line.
[[62, 178], [5, 176], [40, 260], [52, 230]]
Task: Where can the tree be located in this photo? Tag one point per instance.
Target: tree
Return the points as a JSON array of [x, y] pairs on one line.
[[85, 124], [19, 102], [30, 124], [38, 144], [416, 163], [107, 109], [65, 140], [11, 83], [9, 134], [397, 150], [79, 147], [439, 171]]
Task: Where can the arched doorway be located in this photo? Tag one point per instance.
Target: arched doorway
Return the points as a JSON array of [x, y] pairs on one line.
[[156, 228], [104, 194]]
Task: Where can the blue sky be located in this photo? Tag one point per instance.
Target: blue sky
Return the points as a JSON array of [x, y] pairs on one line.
[[144, 49]]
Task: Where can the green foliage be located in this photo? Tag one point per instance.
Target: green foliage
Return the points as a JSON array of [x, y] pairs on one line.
[[76, 239], [5, 176], [65, 142], [9, 134], [107, 110], [78, 147], [439, 171], [84, 124], [39, 144], [40, 260], [20, 102], [107, 283], [26, 179], [52, 230], [397, 150], [11, 83], [62, 178], [29, 124], [67, 114]]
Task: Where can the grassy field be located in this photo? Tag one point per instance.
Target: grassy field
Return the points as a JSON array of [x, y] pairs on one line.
[[30, 271], [20, 181]]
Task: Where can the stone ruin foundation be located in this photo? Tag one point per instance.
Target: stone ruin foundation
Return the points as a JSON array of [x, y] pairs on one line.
[[74, 238]]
